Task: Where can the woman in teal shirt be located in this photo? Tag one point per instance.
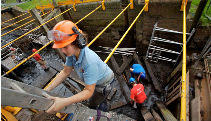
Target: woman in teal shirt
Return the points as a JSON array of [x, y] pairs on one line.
[[96, 74]]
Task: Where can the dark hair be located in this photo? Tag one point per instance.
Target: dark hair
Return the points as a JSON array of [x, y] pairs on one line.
[[76, 42]]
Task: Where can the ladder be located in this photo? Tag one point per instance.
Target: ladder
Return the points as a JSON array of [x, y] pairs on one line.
[[157, 51], [18, 94]]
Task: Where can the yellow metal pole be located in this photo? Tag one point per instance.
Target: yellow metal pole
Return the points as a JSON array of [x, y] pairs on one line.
[[146, 2], [124, 35], [88, 14], [183, 2], [131, 5], [107, 26], [183, 93], [34, 29], [14, 18], [103, 4]]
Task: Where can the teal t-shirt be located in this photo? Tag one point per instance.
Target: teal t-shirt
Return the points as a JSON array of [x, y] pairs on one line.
[[89, 67]]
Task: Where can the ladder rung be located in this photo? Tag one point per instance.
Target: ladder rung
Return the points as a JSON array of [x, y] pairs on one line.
[[165, 40], [162, 58], [162, 49], [168, 30]]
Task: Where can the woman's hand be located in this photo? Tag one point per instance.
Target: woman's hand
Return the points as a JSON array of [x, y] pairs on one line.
[[59, 103]]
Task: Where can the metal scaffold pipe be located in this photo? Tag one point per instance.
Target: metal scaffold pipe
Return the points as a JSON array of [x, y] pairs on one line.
[[109, 56], [183, 92], [15, 17], [34, 29], [108, 25], [22, 25]]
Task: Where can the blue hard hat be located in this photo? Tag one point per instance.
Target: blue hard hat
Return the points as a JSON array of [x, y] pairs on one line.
[[132, 79]]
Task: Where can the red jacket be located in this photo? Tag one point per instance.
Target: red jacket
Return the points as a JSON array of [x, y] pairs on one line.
[[137, 93], [37, 57]]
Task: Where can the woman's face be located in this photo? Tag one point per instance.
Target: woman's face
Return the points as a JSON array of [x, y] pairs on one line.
[[68, 50]]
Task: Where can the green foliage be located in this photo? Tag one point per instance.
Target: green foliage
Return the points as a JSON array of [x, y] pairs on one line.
[[204, 20]]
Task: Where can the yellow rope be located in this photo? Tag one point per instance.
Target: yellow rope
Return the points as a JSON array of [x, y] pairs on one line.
[[34, 29], [16, 22], [107, 26], [21, 25], [88, 14], [124, 35], [14, 18]]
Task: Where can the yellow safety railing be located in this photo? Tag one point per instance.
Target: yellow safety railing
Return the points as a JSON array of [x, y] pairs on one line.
[[88, 14], [42, 7], [68, 2], [34, 29], [183, 92], [124, 34], [16, 22], [108, 26], [15, 17], [103, 4], [184, 3], [22, 25]]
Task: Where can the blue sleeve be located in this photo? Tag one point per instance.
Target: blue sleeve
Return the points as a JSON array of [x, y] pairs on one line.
[[91, 74], [69, 61]]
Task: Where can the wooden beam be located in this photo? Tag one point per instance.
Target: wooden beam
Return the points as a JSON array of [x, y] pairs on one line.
[[195, 109], [51, 15], [37, 17], [156, 115], [126, 62], [124, 87], [146, 114], [152, 76], [168, 116], [187, 97], [71, 87]]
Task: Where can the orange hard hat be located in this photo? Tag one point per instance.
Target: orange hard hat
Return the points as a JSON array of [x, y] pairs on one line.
[[64, 27], [34, 50]]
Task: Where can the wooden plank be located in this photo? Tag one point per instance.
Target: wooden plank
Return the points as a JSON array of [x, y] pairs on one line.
[[135, 56], [71, 87], [172, 85], [168, 116], [44, 78], [51, 15], [154, 79], [36, 16], [8, 63], [124, 87], [128, 74], [126, 62], [156, 115], [146, 114], [173, 91], [178, 93], [187, 97], [179, 67], [195, 109]]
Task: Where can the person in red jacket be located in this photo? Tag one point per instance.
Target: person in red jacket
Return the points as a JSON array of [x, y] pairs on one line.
[[39, 59], [137, 93]]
